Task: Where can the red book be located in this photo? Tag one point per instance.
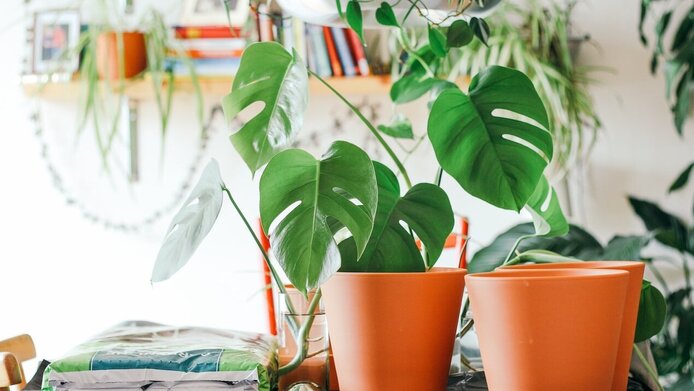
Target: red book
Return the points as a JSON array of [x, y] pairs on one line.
[[358, 53], [332, 52], [201, 53], [192, 32]]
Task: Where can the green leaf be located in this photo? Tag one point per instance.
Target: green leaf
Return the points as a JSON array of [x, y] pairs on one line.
[[645, 5], [298, 195], [544, 207], [354, 18], [338, 5], [481, 29], [479, 142], [272, 76], [414, 85], [625, 248], [576, 243], [437, 41], [459, 34], [399, 127], [385, 15], [652, 310], [652, 216], [191, 224], [682, 179], [682, 103], [425, 209]]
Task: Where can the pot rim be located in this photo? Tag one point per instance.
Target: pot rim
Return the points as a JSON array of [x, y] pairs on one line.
[[598, 265], [436, 271], [556, 274]]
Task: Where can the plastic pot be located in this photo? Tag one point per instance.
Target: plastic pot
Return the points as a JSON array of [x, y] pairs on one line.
[[548, 330], [107, 54], [393, 331], [631, 308]]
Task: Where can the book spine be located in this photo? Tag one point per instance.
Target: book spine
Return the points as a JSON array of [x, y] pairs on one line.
[[184, 32], [264, 24], [202, 53], [343, 51], [320, 51], [332, 52], [299, 32], [358, 52]]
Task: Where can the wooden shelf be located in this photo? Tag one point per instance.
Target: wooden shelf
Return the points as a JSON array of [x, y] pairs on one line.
[[67, 87]]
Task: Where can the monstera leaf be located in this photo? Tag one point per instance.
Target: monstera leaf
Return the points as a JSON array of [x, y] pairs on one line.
[[427, 212], [191, 224], [492, 141], [299, 195], [278, 80], [544, 207]]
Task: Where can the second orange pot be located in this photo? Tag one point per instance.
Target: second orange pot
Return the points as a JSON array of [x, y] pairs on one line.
[[631, 308], [548, 330], [393, 331], [107, 56]]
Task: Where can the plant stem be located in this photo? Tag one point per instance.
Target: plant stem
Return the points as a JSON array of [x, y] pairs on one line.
[[651, 372], [515, 247], [301, 336], [275, 275], [439, 175], [369, 125]]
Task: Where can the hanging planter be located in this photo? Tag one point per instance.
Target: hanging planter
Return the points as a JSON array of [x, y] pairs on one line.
[[110, 54]]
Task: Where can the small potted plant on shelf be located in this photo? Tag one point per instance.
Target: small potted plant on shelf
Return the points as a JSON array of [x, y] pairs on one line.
[[345, 228]]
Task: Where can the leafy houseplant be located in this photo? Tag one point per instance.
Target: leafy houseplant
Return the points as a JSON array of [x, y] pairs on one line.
[[346, 217], [678, 58]]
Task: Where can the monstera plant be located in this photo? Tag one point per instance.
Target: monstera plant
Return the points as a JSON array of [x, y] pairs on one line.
[[343, 212]]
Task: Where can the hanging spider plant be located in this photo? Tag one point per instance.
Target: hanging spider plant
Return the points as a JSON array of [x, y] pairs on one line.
[[536, 39]]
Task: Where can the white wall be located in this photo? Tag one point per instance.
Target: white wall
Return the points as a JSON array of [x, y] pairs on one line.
[[72, 278]]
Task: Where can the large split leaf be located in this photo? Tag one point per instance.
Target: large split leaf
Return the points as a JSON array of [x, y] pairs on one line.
[[191, 224], [278, 80], [492, 141], [298, 195], [576, 243], [425, 209], [544, 206]]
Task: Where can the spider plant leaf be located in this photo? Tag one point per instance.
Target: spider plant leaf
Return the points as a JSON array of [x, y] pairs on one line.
[[276, 78], [494, 141], [425, 209], [191, 224], [298, 197]]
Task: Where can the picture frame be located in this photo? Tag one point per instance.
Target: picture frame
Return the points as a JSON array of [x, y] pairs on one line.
[[214, 13], [55, 32]]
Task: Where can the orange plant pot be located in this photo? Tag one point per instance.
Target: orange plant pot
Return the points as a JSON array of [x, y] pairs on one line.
[[393, 331], [134, 55], [631, 308], [548, 330]]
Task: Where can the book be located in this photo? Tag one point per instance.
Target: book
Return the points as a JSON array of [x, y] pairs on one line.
[[319, 51], [265, 25], [206, 67], [332, 52], [192, 32], [299, 31], [358, 52], [343, 51]]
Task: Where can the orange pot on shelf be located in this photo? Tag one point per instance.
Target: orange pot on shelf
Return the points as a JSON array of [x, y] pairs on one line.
[[393, 331], [548, 330], [631, 307], [134, 54]]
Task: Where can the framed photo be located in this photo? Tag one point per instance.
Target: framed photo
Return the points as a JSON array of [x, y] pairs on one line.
[[214, 13], [55, 33]]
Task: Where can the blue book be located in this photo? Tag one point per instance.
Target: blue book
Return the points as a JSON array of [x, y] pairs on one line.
[[319, 50], [343, 51]]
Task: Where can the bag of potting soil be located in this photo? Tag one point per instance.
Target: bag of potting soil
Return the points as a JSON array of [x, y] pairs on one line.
[[139, 356]]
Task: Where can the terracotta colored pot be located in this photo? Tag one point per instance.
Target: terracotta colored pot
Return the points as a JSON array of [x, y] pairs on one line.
[[393, 331], [134, 54], [631, 308], [548, 330]]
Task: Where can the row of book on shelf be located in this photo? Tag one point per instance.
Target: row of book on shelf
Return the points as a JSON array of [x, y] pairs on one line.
[[217, 50]]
